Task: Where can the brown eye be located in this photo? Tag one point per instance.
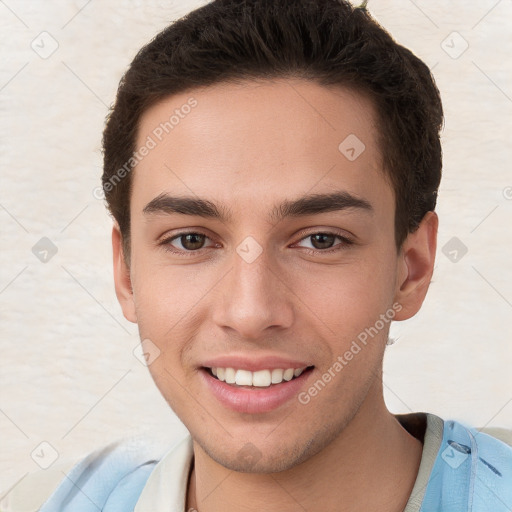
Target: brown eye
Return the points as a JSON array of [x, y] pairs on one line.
[[322, 240], [186, 242], [192, 241], [325, 242]]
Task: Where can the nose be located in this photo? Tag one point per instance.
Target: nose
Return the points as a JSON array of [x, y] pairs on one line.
[[254, 299]]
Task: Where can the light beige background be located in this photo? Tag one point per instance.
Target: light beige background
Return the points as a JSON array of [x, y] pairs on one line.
[[68, 374]]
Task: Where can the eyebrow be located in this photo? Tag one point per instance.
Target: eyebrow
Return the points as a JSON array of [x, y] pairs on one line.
[[315, 204], [312, 204]]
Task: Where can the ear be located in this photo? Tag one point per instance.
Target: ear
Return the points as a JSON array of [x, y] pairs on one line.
[[415, 266], [122, 277]]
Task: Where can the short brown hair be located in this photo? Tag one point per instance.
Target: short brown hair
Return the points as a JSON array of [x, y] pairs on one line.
[[329, 42]]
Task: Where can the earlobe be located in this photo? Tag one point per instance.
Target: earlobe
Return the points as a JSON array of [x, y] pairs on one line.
[[415, 266], [122, 277]]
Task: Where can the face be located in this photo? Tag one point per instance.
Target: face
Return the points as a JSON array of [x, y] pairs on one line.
[[259, 244]]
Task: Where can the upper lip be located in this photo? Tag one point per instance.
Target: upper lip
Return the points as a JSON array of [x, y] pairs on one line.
[[253, 364]]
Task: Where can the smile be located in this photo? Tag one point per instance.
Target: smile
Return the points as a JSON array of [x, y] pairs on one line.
[[260, 378], [254, 392]]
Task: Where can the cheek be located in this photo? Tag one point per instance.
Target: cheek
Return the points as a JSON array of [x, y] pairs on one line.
[[165, 294], [172, 304], [345, 307], [343, 301]]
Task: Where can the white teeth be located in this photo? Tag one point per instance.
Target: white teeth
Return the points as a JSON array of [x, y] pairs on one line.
[[260, 378], [288, 374], [277, 376], [230, 376], [243, 378]]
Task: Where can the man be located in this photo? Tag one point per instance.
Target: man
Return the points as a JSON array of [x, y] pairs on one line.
[[272, 170]]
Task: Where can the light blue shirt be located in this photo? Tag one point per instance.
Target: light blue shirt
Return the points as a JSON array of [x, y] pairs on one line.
[[472, 472]]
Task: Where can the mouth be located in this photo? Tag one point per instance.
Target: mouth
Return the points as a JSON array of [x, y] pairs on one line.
[[254, 392], [266, 378]]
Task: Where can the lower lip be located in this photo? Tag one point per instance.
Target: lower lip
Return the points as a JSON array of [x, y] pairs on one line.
[[255, 400]]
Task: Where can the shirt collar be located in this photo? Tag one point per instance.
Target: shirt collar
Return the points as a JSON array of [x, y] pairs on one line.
[[166, 488]]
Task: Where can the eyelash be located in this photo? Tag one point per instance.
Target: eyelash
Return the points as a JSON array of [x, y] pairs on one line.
[[345, 243]]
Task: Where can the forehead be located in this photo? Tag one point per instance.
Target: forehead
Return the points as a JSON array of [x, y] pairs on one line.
[[260, 142]]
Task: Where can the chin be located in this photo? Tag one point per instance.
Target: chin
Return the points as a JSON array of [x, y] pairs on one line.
[[273, 458]]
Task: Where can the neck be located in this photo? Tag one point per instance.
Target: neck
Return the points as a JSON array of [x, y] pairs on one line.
[[371, 465]]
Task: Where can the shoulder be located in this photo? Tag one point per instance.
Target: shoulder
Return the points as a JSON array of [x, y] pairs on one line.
[[502, 434], [121, 466], [472, 471]]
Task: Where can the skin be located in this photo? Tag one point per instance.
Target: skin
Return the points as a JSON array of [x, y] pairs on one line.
[[247, 147]]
